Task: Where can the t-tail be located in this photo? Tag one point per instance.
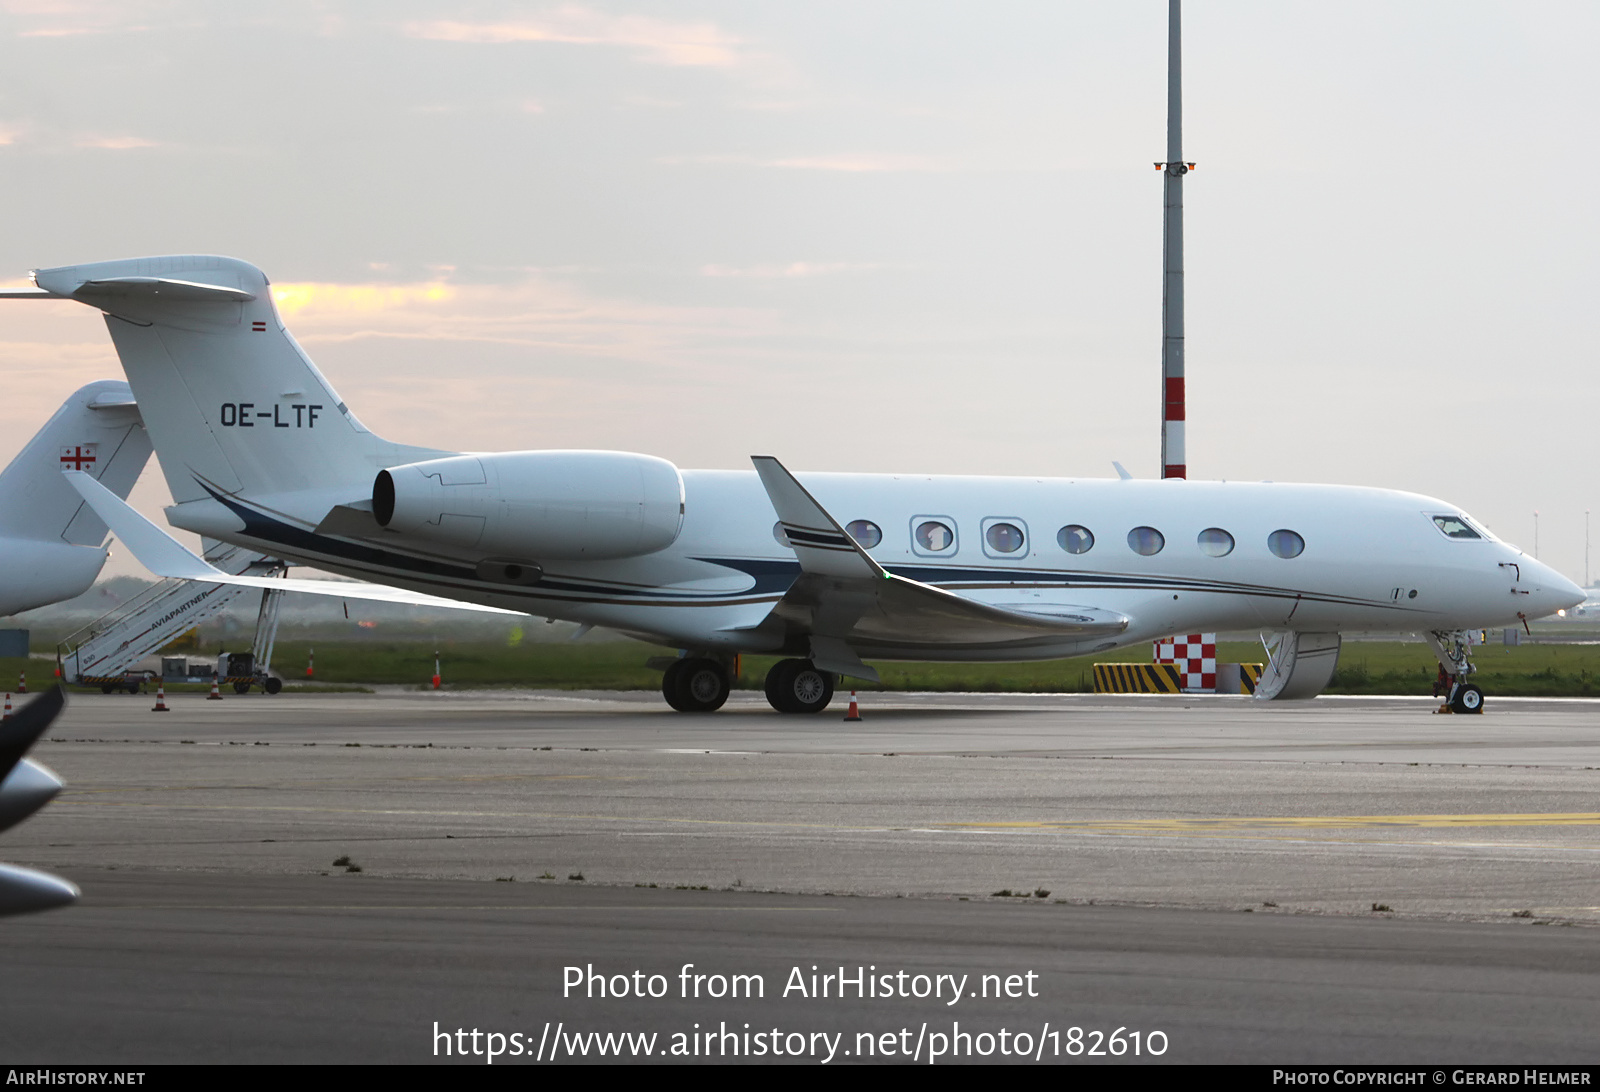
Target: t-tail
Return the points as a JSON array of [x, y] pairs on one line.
[[233, 403]]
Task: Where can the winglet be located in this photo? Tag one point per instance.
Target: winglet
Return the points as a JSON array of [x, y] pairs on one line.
[[822, 546], [1121, 472], [154, 548]]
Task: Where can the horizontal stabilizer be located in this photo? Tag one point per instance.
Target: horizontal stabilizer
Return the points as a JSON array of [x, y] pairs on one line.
[[165, 287], [166, 556]]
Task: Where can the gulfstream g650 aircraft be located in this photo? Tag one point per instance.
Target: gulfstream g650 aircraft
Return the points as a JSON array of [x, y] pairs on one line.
[[826, 569]]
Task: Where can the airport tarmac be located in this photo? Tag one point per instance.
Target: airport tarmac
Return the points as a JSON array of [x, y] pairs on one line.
[[1471, 840]]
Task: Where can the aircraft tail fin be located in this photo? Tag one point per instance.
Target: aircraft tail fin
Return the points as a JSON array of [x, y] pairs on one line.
[[97, 430], [232, 402]]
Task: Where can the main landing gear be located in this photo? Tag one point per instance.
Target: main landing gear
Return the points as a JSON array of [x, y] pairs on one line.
[[700, 684], [1454, 651], [695, 684], [798, 686]]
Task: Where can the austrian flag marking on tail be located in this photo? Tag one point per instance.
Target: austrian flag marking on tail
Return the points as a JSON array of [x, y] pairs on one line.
[[259, 326], [77, 457]]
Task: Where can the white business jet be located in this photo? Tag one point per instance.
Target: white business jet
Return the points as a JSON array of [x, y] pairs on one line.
[[827, 570], [52, 545]]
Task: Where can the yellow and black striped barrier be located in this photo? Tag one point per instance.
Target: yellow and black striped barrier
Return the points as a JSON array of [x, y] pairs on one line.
[[1137, 679], [1162, 678]]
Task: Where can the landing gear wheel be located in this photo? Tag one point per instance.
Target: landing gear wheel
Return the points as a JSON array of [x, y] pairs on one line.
[[272, 686], [703, 685], [695, 685], [669, 686], [1467, 699], [241, 688], [798, 686]]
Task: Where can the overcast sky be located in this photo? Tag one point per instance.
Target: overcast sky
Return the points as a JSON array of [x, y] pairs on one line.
[[910, 236]]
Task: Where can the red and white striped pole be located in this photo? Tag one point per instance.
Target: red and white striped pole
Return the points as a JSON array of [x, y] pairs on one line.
[[1174, 459], [436, 669], [311, 661]]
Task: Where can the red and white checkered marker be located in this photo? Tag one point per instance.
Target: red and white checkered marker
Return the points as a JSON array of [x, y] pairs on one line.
[[1196, 657]]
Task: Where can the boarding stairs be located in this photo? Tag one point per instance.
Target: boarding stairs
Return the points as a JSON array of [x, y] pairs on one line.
[[105, 648]]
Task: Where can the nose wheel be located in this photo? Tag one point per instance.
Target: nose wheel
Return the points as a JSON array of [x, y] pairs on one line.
[[1454, 652]]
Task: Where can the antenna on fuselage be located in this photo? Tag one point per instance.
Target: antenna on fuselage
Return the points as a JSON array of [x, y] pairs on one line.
[[1174, 462]]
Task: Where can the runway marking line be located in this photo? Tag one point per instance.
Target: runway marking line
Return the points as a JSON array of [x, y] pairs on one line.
[[447, 906], [1102, 826], [1531, 819]]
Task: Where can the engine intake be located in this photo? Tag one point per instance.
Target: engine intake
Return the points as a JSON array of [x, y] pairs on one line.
[[547, 505]]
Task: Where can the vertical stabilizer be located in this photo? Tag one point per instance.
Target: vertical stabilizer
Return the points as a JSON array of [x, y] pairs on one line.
[[51, 542], [231, 400]]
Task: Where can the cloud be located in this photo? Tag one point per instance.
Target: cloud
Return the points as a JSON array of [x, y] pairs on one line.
[[117, 143], [656, 41], [318, 300], [74, 18], [868, 161], [792, 269], [535, 312], [856, 162]]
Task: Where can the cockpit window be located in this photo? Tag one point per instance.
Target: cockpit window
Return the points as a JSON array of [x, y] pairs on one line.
[[1455, 527]]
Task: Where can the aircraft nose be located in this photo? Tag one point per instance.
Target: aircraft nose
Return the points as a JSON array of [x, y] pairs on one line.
[[1548, 590]]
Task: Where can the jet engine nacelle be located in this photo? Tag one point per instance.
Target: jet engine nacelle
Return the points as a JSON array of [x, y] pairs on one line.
[[544, 505]]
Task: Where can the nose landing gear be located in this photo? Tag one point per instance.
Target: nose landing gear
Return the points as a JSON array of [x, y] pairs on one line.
[[1454, 651]]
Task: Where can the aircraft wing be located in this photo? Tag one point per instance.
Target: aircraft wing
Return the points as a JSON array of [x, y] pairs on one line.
[[845, 603], [166, 556]]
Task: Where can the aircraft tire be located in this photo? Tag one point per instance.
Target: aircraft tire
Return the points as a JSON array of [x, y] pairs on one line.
[[669, 686], [1468, 699], [797, 686], [702, 686]]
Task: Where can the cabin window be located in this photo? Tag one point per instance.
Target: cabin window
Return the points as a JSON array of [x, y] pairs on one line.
[[1001, 537], [1286, 544], [865, 532], [934, 536], [1075, 539], [1146, 541], [1215, 542], [777, 533], [1455, 527]]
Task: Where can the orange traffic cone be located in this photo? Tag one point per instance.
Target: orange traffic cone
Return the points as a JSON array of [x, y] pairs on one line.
[[161, 698], [7, 715], [855, 712], [215, 695], [22, 683]]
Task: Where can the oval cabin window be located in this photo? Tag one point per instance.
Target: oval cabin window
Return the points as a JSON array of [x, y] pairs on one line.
[[1286, 544], [1146, 541]]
